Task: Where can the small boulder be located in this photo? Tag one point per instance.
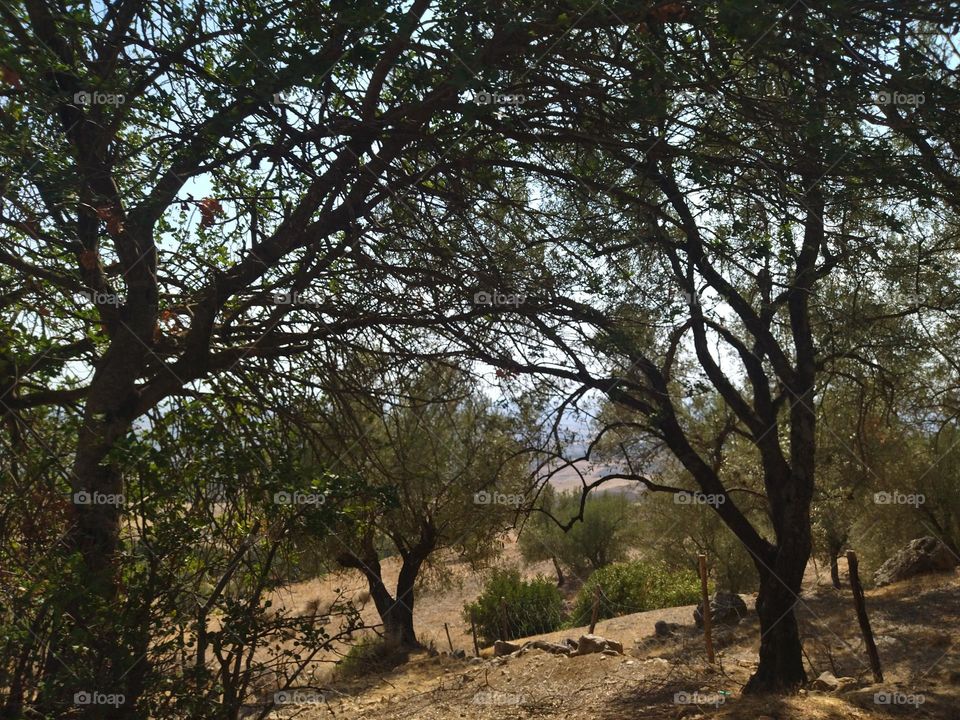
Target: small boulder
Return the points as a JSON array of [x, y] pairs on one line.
[[550, 647], [726, 608], [502, 647], [827, 682], [665, 629], [921, 556], [589, 644]]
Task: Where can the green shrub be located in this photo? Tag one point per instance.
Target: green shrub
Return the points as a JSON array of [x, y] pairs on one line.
[[633, 587], [370, 655], [533, 607]]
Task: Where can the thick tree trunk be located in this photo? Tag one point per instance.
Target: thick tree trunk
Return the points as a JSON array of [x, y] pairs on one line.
[[400, 621], [396, 614], [781, 652]]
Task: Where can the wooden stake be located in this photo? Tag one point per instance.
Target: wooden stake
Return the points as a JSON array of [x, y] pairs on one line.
[[707, 619], [449, 641], [503, 619], [861, 606], [596, 609], [473, 629]]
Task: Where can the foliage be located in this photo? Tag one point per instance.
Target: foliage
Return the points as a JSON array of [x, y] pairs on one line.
[[371, 654], [609, 528], [634, 587], [531, 607]]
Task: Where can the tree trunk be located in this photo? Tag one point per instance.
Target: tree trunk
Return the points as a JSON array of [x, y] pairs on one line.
[[834, 571], [781, 652], [395, 614], [560, 578], [399, 622]]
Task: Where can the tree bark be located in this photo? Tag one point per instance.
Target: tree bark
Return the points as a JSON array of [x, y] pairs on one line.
[[781, 652], [556, 566], [834, 571]]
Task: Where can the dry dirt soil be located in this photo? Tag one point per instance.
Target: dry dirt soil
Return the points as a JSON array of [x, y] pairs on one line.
[[914, 622]]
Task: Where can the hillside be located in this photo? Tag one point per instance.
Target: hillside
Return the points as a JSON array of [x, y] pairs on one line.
[[912, 622]]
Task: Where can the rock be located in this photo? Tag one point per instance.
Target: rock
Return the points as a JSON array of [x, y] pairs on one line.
[[552, 648], [920, 556], [827, 682], [460, 654], [589, 644], [665, 629], [502, 647], [726, 608], [570, 643]]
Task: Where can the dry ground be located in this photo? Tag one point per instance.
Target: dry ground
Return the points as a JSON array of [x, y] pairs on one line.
[[915, 624]]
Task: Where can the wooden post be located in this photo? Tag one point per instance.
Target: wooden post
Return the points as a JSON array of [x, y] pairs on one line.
[[449, 641], [503, 619], [473, 629], [861, 607], [596, 609], [707, 619]]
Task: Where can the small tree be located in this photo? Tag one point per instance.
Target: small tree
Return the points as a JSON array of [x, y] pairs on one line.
[[447, 466], [608, 529]]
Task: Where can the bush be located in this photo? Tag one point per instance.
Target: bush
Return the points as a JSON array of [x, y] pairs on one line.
[[634, 587], [370, 655], [533, 607]]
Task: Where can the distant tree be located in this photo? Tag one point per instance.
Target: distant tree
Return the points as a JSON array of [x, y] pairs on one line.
[[608, 527], [450, 476]]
